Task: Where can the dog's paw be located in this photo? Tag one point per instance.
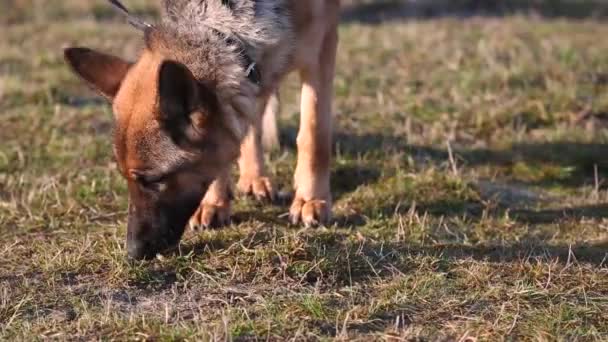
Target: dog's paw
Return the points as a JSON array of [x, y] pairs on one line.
[[210, 215], [310, 213], [260, 188]]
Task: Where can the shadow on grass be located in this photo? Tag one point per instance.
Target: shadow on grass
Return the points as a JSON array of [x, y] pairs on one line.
[[377, 12], [475, 211], [361, 260], [578, 160], [557, 215], [347, 178], [340, 261], [353, 261]]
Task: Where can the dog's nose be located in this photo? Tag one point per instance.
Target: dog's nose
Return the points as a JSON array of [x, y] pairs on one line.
[[138, 250]]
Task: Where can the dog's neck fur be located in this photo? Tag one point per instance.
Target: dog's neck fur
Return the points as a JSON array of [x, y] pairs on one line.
[[211, 37]]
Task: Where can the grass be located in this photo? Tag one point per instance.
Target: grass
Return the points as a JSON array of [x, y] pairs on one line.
[[469, 183]]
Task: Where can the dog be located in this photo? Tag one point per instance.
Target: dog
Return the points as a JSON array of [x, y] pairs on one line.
[[194, 103]]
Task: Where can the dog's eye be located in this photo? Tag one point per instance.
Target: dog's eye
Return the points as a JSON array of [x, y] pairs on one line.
[[151, 182]]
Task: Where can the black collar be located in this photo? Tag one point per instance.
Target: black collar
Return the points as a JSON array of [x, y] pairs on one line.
[[251, 69], [247, 62]]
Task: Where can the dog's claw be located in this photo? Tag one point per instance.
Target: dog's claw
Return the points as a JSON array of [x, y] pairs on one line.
[[310, 213], [260, 188], [211, 216]]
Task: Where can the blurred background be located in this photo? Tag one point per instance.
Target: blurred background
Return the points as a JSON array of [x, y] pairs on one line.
[[371, 10]]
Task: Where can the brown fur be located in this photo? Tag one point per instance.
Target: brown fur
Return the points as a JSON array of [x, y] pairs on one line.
[[186, 109]]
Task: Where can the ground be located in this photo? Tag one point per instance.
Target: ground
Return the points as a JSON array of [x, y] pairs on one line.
[[469, 181]]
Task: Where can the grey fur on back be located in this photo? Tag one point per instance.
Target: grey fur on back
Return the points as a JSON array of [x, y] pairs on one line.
[[208, 36]]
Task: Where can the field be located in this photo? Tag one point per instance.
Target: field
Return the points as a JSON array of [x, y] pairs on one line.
[[469, 180]]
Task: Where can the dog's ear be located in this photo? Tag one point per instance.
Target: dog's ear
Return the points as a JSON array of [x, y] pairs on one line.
[[101, 71], [182, 99], [176, 90]]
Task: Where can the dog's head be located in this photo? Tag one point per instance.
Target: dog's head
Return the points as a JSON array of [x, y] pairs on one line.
[[170, 140]]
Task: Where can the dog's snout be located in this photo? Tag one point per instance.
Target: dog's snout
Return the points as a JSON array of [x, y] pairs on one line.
[[156, 226], [138, 250], [138, 247], [144, 240]]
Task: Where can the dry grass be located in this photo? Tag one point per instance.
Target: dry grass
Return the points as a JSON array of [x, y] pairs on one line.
[[469, 178]]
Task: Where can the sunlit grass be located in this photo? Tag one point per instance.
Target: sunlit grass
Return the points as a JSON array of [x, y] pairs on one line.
[[469, 183]]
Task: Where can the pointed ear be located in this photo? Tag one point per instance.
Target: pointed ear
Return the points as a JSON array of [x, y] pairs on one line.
[[177, 91], [181, 95], [101, 71]]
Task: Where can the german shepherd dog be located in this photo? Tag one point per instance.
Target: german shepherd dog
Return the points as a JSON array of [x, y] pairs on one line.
[[193, 103]]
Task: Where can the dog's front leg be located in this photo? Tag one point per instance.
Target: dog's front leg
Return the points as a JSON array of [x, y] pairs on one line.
[[215, 208], [312, 201], [253, 178]]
